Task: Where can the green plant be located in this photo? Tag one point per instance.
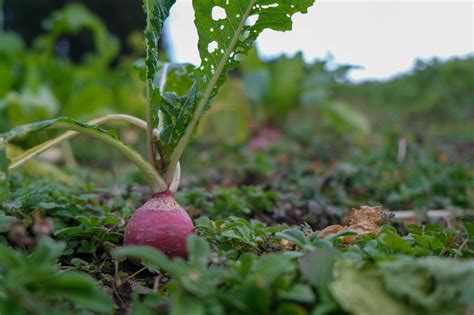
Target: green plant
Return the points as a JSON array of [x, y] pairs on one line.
[[177, 96], [33, 284], [236, 236], [224, 202]]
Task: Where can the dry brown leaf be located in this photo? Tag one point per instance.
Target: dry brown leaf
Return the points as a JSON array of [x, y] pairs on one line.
[[363, 220]]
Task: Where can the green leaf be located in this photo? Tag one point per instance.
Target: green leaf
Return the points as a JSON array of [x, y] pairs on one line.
[[199, 250], [298, 293], [4, 177], [270, 267], [293, 235], [149, 256], [80, 289], [317, 266], [182, 304], [228, 29], [156, 13], [437, 285], [362, 293], [394, 242]]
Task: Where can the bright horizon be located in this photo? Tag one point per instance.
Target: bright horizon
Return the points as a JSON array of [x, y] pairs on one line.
[[385, 38]]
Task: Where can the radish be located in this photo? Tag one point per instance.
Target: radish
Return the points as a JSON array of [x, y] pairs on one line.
[[161, 223], [177, 96]]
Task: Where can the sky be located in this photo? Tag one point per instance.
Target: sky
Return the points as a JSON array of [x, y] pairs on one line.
[[383, 37]]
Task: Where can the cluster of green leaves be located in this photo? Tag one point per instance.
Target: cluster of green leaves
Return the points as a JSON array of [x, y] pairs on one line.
[[379, 179], [313, 178], [290, 270], [34, 284], [236, 236], [250, 285], [372, 276], [79, 217], [223, 202]]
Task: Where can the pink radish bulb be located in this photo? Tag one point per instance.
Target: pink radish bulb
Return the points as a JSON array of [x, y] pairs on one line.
[[160, 223]]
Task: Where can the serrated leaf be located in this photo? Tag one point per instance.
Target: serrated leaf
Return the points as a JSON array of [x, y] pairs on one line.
[[155, 72], [228, 29], [157, 12]]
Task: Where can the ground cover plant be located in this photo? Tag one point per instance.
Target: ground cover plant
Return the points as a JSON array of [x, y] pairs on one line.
[[279, 225]]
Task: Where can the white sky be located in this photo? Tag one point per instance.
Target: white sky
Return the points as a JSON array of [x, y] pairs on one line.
[[384, 37]]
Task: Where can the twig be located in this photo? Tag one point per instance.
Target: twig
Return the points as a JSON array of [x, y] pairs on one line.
[[133, 276]]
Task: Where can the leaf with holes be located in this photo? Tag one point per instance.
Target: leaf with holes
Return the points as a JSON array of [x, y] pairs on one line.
[[227, 31]]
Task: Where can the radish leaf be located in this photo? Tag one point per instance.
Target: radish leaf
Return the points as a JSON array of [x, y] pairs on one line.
[[227, 31]]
